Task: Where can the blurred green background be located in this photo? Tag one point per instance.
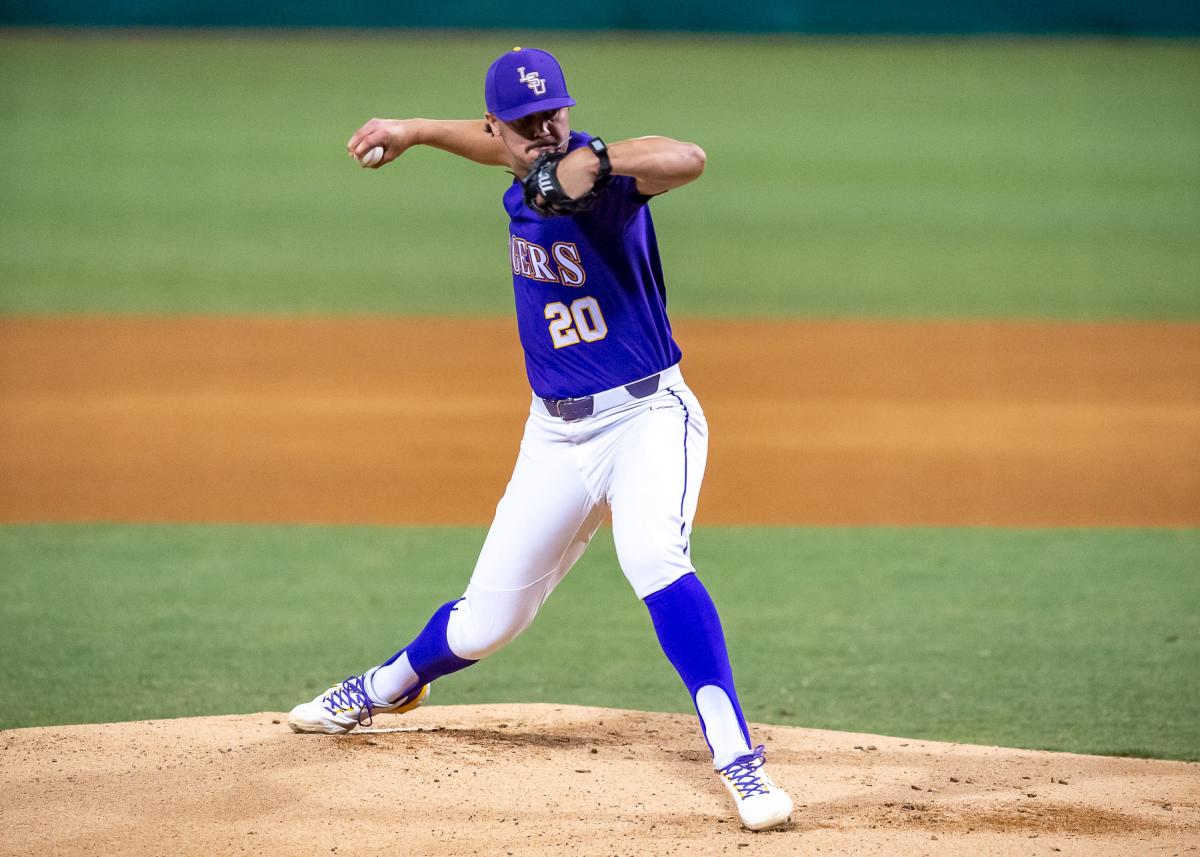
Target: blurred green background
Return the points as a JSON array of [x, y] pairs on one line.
[[1082, 640], [205, 173], [918, 178]]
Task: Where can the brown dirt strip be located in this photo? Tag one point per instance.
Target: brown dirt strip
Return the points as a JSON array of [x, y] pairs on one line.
[[416, 421], [545, 779]]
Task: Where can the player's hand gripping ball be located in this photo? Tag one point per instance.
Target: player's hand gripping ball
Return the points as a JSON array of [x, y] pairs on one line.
[[372, 157], [544, 193]]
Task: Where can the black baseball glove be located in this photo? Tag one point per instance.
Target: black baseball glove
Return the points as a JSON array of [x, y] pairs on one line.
[[545, 195]]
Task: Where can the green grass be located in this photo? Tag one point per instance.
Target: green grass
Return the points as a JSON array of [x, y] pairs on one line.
[[1083, 640], [910, 178]]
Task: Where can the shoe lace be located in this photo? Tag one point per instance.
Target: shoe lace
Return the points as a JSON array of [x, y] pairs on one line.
[[348, 695], [745, 772]]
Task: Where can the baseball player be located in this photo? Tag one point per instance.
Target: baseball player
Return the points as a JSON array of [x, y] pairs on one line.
[[612, 430]]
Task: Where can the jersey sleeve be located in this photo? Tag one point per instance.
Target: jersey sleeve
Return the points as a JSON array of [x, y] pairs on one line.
[[618, 203]]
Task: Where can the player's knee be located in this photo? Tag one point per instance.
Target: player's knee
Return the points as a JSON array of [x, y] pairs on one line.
[[475, 633], [650, 568], [476, 647]]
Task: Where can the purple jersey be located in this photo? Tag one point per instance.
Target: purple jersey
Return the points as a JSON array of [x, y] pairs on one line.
[[591, 303]]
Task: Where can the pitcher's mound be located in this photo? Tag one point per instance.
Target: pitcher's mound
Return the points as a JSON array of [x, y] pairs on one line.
[[559, 779]]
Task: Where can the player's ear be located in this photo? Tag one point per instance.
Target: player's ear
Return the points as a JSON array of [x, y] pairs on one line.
[[488, 119]]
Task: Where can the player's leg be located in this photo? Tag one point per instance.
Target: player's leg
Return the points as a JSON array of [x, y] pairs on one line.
[[542, 525], [539, 532], [657, 469], [689, 630]]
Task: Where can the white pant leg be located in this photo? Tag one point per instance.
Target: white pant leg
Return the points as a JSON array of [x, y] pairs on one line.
[[657, 467], [542, 525]]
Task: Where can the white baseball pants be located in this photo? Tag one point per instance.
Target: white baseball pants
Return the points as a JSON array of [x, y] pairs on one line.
[[643, 461]]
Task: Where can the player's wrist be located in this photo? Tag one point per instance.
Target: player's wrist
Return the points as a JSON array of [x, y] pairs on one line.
[[602, 165], [419, 131]]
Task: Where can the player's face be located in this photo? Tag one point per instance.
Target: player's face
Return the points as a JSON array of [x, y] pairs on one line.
[[528, 137]]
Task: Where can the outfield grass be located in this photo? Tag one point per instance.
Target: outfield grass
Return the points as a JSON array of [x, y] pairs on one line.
[[919, 178], [1083, 640]]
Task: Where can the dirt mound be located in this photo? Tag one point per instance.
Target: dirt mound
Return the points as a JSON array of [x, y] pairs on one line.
[[523, 779]]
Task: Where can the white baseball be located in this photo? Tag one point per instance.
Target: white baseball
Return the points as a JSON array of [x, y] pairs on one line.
[[372, 157]]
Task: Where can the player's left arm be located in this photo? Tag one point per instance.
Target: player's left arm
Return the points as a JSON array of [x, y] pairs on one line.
[[658, 164]]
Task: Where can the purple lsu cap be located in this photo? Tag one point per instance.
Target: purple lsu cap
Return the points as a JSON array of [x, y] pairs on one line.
[[524, 81]]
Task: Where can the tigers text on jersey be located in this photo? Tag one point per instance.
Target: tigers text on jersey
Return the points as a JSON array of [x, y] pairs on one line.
[[590, 298]]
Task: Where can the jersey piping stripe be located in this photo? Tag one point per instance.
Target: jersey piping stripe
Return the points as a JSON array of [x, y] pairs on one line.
[[683, 497]]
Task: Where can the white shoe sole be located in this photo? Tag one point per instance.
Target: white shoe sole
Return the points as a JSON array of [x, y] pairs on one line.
[[315, 724], [768, 823]]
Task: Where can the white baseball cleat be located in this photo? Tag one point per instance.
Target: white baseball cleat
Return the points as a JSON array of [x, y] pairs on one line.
[[347, 705], [760, 803]]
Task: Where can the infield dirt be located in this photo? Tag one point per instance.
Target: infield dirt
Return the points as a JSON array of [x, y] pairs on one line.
[[544, 779], [416, 421]]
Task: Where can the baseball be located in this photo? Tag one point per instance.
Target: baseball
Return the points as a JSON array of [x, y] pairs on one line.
[[372, 157]]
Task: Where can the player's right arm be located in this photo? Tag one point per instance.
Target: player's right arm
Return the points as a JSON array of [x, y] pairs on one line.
[[467, 138]]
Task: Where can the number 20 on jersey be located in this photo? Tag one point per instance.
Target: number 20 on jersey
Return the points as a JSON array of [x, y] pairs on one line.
[[582, 321]]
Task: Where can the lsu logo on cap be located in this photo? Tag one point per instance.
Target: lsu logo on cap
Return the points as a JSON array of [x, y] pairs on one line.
[[533, 80]]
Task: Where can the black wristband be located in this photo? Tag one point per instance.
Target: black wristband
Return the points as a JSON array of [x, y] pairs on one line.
[[601, 150]]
